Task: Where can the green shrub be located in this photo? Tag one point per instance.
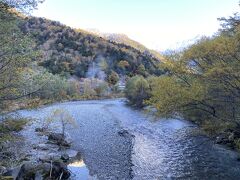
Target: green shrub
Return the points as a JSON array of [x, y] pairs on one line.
[[101, 89], [137, 90], [12, 125]]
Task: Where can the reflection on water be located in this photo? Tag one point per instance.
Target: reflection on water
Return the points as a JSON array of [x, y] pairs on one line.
[[164, 149], [79, 171]]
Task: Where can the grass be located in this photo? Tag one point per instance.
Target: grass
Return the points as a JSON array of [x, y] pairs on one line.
[[9, 126]]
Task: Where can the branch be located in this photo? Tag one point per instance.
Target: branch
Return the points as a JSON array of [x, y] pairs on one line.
[[21, 96]]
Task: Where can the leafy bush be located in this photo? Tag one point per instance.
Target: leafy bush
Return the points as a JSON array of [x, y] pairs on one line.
[[102, 89], [55, 87], [11, 124], [137, 90]]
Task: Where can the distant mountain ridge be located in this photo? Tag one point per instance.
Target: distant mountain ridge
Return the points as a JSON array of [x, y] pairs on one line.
[[73, 51], [124, 39]]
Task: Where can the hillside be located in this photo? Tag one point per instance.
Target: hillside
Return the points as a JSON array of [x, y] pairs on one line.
[[124, 39], [74, 52]]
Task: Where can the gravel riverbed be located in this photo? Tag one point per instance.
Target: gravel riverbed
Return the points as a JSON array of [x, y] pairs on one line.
[[118, 142]]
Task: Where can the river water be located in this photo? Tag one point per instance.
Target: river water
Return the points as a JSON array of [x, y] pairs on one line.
[[118, 142]]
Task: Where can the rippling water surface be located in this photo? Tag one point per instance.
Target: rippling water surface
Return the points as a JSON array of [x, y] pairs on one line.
[[118, 142]]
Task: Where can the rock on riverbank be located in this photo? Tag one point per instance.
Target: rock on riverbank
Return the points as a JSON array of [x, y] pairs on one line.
[[44, 155]]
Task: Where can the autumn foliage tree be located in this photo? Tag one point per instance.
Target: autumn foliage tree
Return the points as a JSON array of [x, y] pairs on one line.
[[113, 78], [203, 82]]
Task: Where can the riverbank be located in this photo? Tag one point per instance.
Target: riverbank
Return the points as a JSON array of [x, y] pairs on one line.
[[32, 151]]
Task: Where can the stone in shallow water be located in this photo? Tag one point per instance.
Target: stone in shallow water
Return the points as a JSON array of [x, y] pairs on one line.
[[59, 139], [27, 170], [123, 132], [55, 137], [72, 153], [55, 169], [39, 129], [65, 157], [43, 147], [2, 169], [49, 156]]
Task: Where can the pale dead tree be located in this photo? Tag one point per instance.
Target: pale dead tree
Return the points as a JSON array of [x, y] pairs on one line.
[[63, 117]]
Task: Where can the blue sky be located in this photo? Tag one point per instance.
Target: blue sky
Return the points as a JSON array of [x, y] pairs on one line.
[[158, 24]]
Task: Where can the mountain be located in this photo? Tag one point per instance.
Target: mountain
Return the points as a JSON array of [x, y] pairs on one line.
[[74, 51], [124, 39]]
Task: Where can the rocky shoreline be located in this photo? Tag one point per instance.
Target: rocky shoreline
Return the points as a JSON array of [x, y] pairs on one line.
[[39, 154], [229, 138]]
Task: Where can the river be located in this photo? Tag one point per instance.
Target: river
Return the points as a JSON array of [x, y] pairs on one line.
[[118, 142]]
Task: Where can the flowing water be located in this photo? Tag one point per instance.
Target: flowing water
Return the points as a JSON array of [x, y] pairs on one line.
[[118, 142]]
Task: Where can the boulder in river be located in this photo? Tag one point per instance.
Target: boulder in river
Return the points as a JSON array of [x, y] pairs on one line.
[[43, 147], [44, 170], [223, 138], [72, 153], [59, 139], [65, 157], [55, 136], [123, 132], [27, 171], [40, 129], [2, 169]]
